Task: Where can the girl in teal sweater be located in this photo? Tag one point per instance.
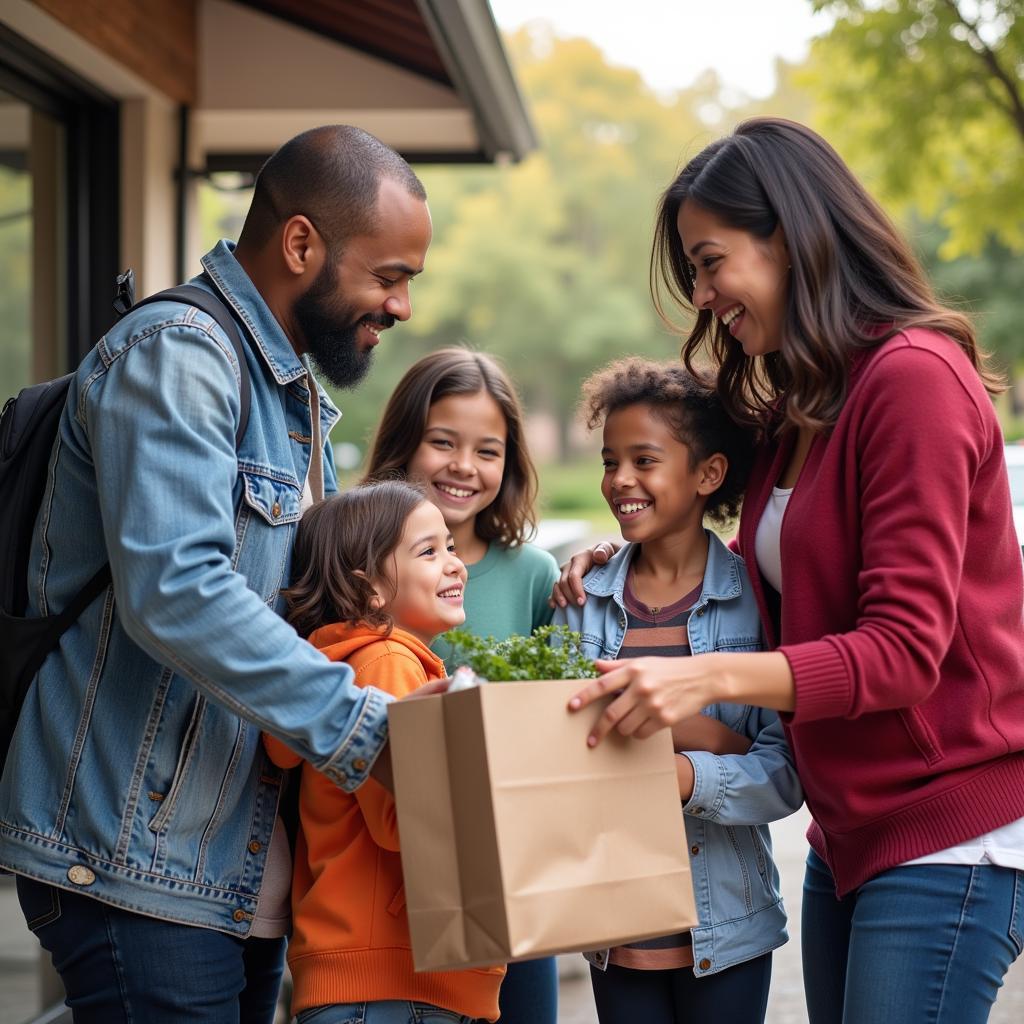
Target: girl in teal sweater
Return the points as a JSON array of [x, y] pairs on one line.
[[455, 424]]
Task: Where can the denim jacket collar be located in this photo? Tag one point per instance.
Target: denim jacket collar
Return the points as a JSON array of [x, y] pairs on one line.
[[722, 580], [237, 289]]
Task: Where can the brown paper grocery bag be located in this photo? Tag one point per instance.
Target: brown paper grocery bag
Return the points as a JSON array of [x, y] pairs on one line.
[[518, 840]]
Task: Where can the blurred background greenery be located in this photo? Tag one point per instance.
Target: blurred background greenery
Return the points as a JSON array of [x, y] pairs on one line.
[[545, 263]]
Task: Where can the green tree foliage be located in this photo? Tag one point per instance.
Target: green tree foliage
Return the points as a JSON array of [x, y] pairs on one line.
[[926, 99]]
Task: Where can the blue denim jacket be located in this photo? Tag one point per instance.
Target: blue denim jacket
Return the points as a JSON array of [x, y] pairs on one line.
[[735, 881], [136, 774]]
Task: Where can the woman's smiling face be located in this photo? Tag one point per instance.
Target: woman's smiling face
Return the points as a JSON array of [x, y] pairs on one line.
[[742, 279]]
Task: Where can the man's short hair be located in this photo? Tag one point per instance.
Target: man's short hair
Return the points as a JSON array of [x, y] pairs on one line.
[[332, 175]]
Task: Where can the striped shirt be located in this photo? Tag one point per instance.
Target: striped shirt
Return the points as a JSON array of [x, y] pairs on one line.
[[656, 631]]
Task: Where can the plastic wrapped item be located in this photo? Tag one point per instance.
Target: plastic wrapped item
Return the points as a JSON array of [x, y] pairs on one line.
[[464, 678]]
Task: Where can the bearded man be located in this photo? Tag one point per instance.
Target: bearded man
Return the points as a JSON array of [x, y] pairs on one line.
[[136, 806]]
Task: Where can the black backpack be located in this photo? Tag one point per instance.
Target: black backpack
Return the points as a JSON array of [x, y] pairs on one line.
[[28, 429]]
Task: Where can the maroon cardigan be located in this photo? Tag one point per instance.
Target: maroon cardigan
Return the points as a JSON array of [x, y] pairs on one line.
[[902, 612]]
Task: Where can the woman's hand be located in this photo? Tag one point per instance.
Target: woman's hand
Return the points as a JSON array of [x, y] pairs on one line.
[[654, 693], [569, 585]]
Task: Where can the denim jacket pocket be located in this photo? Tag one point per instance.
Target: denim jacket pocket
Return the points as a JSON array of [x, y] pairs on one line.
[[275, 499], [167, 802]]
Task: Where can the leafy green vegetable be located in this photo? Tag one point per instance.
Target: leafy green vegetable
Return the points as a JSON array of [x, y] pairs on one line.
[[552, 652]]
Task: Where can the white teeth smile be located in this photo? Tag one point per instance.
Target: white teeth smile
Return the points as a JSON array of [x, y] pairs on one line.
[[455, 492], [374, 329], [451, 592], [730, 315], [627, 507]]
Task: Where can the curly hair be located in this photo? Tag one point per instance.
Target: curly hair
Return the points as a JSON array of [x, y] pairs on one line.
[[342, 544], [511, 518], [854, 281], [691, 408]]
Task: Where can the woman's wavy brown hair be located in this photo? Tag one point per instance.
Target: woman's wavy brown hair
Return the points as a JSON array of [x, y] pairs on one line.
[[342, 544], [854, 281], [511, 518]]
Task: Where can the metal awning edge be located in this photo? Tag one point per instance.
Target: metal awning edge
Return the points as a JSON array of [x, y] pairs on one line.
[[470, 45]]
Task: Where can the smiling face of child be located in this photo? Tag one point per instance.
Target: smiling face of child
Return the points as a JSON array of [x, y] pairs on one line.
[[428, 578], [461, 459], [650, 481]]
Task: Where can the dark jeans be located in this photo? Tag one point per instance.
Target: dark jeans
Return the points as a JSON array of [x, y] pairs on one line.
[[923, 944], [123, 968], [738, 994], [529, 993]]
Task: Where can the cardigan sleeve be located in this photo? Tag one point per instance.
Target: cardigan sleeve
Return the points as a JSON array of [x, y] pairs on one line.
[[920, 436]]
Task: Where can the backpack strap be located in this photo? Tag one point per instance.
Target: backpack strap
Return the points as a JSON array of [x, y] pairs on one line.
[[192, 295]]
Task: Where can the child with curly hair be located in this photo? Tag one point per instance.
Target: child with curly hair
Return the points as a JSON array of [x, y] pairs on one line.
[[672, 459]]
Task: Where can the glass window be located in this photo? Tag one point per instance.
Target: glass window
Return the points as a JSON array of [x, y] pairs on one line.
[[31, 263]]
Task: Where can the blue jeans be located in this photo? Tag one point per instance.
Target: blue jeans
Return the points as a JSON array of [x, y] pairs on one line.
[[529, 992], [925, 943], [385, 1011], [123, 968], [737, 995]]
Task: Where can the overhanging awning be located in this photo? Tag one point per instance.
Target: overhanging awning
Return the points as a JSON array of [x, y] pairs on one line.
[[429, 77]]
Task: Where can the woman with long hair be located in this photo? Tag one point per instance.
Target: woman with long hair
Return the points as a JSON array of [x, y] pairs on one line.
[[878, 533]]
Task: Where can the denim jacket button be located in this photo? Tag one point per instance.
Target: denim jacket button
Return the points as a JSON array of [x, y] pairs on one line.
[[240, 916], [255, 846], [705, 964], [359, 764], [275, 509], [695, 849], [698, 810], [80, 875]]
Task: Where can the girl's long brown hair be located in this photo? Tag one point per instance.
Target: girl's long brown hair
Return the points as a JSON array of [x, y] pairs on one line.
[[511, 518], [854, 281]]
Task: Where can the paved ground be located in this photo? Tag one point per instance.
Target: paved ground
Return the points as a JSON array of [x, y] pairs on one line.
[[19, 958]]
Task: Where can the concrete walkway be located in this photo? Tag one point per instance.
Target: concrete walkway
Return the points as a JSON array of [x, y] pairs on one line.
[[18, 955]]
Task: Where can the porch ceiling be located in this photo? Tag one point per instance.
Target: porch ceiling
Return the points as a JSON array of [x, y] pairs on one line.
[[429, 77]]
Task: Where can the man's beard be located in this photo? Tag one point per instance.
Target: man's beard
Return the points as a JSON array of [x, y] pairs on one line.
[[330, 331]]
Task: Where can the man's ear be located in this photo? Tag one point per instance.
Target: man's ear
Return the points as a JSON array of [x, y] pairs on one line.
[[302, 248], [711, 473]]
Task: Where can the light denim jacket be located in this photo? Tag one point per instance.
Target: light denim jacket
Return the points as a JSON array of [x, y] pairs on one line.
[[137, 775], [735, 881]]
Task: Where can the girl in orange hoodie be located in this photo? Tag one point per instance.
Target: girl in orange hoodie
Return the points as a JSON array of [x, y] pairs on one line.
[[376, 579]]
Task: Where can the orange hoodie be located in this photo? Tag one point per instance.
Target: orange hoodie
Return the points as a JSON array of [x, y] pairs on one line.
[[351, 935]]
